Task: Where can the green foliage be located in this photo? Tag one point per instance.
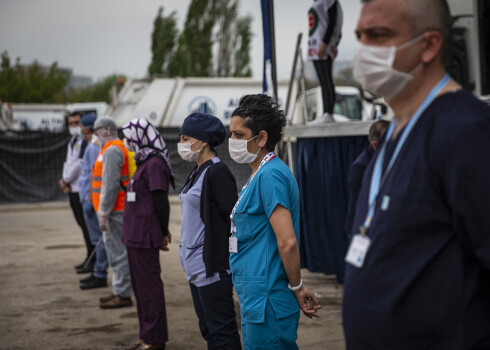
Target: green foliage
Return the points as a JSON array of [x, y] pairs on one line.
[[242, 48], [98, 92], [33, 84], [233, 38], [194, 56], [179, 65], [211, 25], [226, 37], [162, 42]]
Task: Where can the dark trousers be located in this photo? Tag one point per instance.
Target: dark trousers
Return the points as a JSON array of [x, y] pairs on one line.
[[215, 309], [144, 267], [324, 71], [77, 209]]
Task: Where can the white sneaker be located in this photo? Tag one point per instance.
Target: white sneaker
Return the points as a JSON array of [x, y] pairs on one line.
[[324, 118]]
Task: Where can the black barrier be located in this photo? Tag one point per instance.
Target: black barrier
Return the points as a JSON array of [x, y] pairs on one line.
[[31, 164], [322, 168]]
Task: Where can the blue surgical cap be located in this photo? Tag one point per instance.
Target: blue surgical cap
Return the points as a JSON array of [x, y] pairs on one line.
[[204, 127]]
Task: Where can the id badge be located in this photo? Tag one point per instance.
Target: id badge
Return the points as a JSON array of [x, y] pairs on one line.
[[358, 250], [233, 244], [131, 196]]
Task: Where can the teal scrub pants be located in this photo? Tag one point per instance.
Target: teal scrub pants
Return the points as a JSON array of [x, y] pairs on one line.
[[273, 333]]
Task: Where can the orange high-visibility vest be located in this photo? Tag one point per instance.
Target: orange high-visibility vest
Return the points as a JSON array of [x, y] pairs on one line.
[[97, 176]]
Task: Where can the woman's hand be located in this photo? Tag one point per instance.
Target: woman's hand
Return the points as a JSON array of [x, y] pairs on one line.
[[322, 50], [307, 302], [287, 245], [166, 241]]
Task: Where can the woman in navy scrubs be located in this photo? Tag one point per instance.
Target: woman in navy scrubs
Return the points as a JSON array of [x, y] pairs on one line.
[[207, 199]]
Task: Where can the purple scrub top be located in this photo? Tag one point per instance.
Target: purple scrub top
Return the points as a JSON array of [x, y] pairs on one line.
[[141, 228]]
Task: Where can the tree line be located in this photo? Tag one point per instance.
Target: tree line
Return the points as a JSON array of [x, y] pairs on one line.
[[37, 84], [215, 42]]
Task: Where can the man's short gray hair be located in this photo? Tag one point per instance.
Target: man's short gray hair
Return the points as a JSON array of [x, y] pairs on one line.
[[425, 15]]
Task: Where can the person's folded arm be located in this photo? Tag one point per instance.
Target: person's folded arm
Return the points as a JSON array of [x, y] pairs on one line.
[[162, 209]]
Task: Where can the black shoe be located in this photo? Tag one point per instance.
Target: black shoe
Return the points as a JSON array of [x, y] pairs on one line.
[[95, 283], [79, 266], [88, 269], [82, 264], [87, 279]]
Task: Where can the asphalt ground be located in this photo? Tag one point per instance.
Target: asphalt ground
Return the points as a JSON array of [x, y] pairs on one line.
[[42, 306]]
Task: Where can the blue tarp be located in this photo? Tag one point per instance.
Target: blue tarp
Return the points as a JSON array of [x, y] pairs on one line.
[[321, 168]]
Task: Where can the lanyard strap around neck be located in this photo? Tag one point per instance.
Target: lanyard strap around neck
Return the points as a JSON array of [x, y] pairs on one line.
[[378, 177], [268, 156]]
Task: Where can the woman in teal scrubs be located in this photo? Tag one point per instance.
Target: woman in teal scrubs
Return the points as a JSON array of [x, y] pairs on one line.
[[264, 256]]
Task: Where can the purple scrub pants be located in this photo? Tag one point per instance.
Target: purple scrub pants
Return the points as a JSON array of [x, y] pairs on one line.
[[144, 266]]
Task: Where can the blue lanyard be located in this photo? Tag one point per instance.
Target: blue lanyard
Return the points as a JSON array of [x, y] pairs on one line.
[[268, 156], [379, 178]]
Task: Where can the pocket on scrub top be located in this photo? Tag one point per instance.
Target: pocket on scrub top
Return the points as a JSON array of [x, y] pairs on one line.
[[193, 257], [245, 227]]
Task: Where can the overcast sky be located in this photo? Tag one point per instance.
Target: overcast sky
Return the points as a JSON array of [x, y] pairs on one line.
[[100, 37]]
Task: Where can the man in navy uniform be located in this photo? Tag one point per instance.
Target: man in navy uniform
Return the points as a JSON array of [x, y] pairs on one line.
[[418, 268], [356, 171]]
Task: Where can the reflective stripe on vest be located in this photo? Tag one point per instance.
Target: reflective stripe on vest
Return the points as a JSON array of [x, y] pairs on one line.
[[97, 176]]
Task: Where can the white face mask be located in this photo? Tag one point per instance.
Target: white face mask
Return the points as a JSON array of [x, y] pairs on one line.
[[239, 152], [75, 130], [129, 147], [373, 69], [186, 153]]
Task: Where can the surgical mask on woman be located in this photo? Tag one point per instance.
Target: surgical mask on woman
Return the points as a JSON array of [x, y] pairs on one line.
[[75, 130], [187, 153], [239, 152], [373, 69]]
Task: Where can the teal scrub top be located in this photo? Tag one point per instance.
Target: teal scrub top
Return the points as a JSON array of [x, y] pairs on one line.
[[257, 270]]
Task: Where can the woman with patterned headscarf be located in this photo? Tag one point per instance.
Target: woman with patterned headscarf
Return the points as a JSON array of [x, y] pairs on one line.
[[145, 230]]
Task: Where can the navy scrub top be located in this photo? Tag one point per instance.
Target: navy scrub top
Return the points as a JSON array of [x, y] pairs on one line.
[[425, 283]]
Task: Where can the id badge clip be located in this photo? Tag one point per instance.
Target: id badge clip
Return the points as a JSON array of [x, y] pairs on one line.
[[358, 249], [131, 196], [233, 241], [233, 244]]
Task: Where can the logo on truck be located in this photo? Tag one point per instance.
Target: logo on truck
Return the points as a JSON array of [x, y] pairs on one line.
[[202, 104]]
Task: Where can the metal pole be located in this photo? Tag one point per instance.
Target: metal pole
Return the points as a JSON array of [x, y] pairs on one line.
[[273, 49], [92, 253], [303, 88], [293, 73]]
